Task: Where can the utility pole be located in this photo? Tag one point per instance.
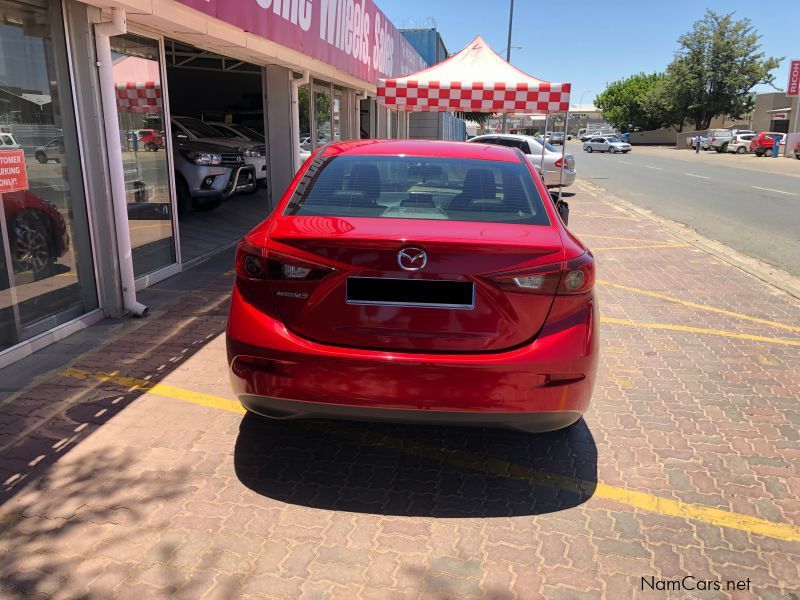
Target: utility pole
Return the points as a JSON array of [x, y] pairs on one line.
[[508, 50]]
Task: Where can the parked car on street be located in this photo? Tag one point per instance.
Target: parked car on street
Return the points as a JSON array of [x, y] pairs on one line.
[[764, 143], [720, 138], [197, 130], [37, 233], [610, 143], [8, 142], [690, 141], [52, 150], [409, 281], [555, 137], [206, 174], [740, 143], [532, 147], [797, 150]]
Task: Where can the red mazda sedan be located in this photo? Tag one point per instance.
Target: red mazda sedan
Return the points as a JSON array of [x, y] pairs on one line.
[[415, 281]]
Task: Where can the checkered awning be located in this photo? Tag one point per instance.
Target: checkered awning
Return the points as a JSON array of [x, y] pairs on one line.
[[452, 86], [143, 96]]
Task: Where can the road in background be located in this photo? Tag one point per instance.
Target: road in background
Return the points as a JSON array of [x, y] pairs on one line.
[[755, 213]]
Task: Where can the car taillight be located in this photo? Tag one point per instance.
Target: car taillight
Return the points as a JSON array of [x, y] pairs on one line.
[[288, 268], [575, 276], [578, 275], [251, 261], [560, 163]]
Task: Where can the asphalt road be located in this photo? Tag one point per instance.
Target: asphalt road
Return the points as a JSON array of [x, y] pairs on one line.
[[755, 213]]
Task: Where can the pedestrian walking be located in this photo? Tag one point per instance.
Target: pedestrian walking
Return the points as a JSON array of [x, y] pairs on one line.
[[697, 141]]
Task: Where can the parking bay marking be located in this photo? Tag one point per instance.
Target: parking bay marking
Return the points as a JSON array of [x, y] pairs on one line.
[[656, 168], [773, 190], [687, 329], [490, 466], [698, 176], [674, 245], [721, 311]]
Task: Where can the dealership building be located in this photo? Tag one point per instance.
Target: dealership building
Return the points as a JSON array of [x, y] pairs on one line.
[[110, 103]]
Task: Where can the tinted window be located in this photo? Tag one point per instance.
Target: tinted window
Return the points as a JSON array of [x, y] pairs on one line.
[[197, 127], [547, 145], [511, 143], [413, 187], [224, 131]]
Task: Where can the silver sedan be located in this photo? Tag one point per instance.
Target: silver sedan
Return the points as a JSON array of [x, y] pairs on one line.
[[532, 147], [610, 143]]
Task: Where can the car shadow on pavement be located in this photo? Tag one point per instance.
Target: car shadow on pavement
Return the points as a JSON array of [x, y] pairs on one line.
[[414, 470]]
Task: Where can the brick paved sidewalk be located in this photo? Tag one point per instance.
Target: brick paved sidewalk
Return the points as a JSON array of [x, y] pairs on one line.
[[132, 473]]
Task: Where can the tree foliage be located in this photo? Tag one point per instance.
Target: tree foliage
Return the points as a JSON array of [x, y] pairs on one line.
[[632, 103], [717, 64]]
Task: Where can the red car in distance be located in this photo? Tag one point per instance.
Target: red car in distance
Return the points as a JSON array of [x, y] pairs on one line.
[[415, 281], [764, 143]]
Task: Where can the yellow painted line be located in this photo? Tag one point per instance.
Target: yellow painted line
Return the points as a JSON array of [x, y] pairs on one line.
[[609, 217], [675, 245], [721, 311], [491, 466], [159, 389], [687, 329], [616, 237]]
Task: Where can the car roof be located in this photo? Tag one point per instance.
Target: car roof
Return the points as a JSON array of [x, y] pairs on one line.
[[466, 150]]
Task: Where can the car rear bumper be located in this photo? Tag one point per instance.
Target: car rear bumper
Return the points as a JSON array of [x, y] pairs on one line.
[[543, 385], [551, 178]]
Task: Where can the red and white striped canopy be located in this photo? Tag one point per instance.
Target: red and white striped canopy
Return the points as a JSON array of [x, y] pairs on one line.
[[141, 96], [476, 79]]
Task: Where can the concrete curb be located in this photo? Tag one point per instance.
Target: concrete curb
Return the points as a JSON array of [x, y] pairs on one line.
[[763, 271]]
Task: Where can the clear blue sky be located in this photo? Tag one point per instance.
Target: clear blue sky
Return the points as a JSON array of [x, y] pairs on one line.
[[605, 40]]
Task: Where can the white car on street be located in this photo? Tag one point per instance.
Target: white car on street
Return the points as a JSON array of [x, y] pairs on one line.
[[609, 143], [740, 143], [532, 147]]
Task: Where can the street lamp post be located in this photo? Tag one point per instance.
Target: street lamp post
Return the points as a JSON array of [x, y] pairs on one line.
[[508, 50]]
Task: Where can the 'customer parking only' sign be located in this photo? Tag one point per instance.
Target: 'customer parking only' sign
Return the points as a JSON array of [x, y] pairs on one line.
[[13, 176]]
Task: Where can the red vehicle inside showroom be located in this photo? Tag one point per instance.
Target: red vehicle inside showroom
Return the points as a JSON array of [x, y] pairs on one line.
[[415, 281]]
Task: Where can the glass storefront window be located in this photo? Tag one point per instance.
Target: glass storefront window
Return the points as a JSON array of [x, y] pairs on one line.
[[140, 111], [46, 270], [322, 114]]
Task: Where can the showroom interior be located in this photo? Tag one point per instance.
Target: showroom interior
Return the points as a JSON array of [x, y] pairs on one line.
[[212, 122]]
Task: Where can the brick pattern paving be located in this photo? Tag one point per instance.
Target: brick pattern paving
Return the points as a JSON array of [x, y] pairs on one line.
[[108, 491]]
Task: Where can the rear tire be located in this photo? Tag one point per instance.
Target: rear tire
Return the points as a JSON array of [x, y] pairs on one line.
[[41, 157], [589, 149], [768, 152], [612, 150], [740, 150]]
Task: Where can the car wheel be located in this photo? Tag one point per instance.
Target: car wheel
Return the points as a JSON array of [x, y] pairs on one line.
[[41, 157], [740, 150], [183, 197], [589, 149], [31, 248], [718, 150], [758, 153], [206, 204], [612, 150], [768, 152]]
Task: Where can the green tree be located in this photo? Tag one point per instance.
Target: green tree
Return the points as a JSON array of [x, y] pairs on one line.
[[717, 63], [632, 103]]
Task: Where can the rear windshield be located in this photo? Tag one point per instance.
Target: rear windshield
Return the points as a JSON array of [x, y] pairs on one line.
[[407, 187]]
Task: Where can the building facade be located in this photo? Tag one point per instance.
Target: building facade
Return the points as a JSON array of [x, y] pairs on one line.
[[154, 133]]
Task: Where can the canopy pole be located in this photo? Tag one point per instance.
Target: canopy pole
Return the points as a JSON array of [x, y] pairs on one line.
[[544, 141], [563, 155], [508, 50]]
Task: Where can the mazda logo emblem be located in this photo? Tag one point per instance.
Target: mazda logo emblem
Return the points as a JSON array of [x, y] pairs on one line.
[[412, 259]]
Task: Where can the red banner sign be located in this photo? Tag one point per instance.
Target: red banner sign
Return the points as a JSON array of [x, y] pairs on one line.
[[793, 89], [351, 35], [13, 175]]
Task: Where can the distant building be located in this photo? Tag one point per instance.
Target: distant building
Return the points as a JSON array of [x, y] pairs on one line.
[[774, 111], [431, 125]]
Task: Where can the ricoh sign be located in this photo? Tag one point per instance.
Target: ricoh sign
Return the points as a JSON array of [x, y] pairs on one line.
[[793, 88], [351, 35]]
